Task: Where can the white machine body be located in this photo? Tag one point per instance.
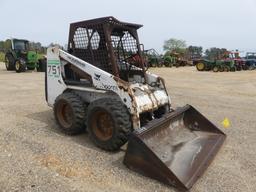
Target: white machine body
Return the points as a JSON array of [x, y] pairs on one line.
[[136, 96]]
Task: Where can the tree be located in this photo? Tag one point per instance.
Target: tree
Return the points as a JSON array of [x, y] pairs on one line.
[[56, 45], [215, 53], [2, 46], [194, 52], [175, 45], [7, 44]]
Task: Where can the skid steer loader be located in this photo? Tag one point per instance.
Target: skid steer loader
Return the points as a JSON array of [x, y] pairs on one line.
[[101, 84]]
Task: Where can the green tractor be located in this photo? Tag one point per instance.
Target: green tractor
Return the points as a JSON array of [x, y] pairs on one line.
[[174, 59], [217, 65], [169, 60], [153, 58], [20, 58]]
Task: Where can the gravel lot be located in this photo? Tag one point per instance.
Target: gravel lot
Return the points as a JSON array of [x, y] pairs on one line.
[[36, 156]]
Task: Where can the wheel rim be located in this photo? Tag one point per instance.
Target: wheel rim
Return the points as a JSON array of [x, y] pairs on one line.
[[102, 124], [215, 69], [17, 65], [200, 66], [65, 114]]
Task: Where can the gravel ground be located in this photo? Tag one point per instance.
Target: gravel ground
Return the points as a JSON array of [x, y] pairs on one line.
[[36, 156]]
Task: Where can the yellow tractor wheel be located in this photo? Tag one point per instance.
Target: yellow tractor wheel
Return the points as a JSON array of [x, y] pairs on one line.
[[200, 66]]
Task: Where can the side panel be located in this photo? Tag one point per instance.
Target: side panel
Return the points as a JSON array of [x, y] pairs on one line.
[[54, 81]]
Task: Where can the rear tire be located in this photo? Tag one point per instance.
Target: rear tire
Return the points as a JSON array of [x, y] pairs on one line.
[[70, 113], [108, 123], [9, 62]]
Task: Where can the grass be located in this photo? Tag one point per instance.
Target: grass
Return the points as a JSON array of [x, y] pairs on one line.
[[1, 57]]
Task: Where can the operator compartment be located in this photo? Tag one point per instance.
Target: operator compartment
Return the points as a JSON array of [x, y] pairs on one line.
[[109, 45]]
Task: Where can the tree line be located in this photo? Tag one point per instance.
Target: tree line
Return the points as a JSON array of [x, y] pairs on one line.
[[170, 46], [192, 52]]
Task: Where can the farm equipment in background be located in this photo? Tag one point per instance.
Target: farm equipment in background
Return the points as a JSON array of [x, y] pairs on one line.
[[203, 64], [174, 59], [215, 66], [170, 60], [224, 66], [230, 61], [153, 58], [250, 60], [20, 58], [238, 61], [120, 101]]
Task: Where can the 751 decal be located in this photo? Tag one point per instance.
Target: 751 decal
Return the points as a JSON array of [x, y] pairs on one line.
[[53, 68]]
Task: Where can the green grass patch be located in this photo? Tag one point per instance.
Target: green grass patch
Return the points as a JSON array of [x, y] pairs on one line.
[[2, 57]]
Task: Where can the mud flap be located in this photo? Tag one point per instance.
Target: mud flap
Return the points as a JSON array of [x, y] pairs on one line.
[[175, 149]]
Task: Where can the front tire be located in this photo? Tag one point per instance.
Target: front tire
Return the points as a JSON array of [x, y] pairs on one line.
[[19, 67], [70, 113], [108, 123], [215, 69]]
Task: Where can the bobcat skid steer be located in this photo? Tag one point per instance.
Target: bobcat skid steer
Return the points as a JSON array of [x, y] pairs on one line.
[[101, 84]]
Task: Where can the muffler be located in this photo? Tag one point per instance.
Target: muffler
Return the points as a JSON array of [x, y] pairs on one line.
[[175, 149]]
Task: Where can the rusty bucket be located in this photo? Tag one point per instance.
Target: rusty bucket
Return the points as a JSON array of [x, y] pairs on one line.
[[175, 149]]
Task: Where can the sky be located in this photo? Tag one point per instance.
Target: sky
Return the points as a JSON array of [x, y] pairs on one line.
[[227, 24]]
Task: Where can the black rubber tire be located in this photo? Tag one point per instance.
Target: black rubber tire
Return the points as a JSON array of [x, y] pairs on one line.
[[215, 69], [120, 119], [245, 67], [159, 65], [168, 64], [20, 68], [238, 68], [221, 68], [41, 65], [233, 69], [11, 62], [78, 110], [226, 68], [251, 67]]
